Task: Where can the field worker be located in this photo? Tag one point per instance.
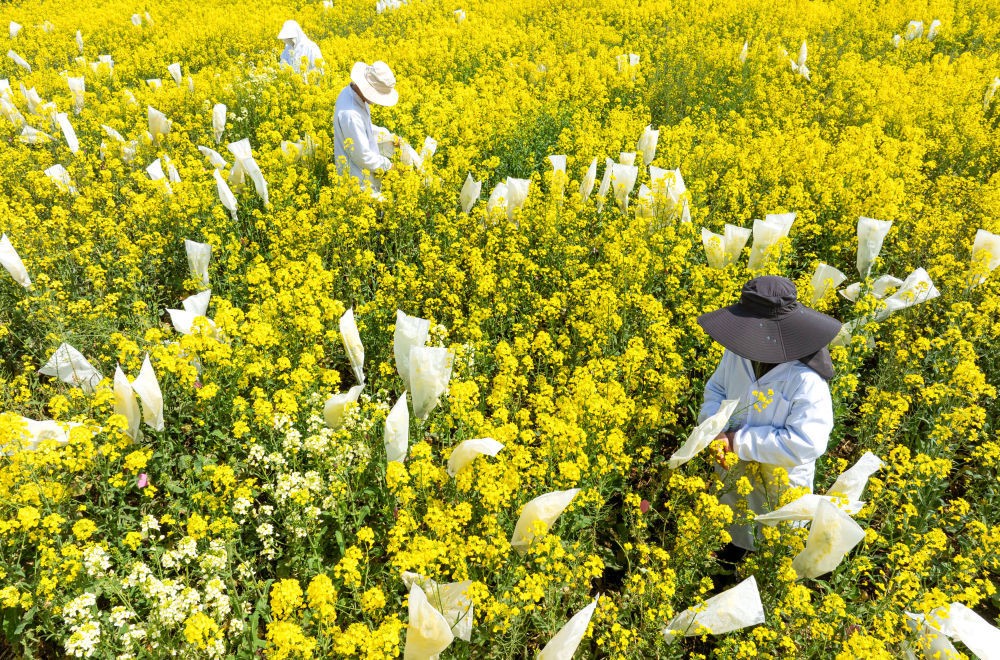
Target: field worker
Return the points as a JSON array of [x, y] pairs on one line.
[[298, 46], [356, 148], [776, 357]]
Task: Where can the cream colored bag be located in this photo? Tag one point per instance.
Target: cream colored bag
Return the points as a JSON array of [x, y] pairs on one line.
[[545, 508], [731, 610], [831, 536], [564, 643], [467, 451]]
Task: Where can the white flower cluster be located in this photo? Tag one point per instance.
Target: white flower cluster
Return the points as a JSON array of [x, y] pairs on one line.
[[96, 561], [85, 630]]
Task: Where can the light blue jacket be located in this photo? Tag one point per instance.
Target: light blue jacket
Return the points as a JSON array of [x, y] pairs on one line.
[[791, 432]]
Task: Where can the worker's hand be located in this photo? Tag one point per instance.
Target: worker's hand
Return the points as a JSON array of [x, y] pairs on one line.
[[724, 446], [395, 141]]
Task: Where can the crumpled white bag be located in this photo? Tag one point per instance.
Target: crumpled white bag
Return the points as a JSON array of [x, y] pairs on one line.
[[429, 148], [644, 205], [498, 198], [804, 508], [77, 86], [336, 406], [715, 248], [158, 123], [470, 193], [880, 287], [587, 185], [449, 599], [10, 111], [623, 180], [735, 608], [352, 344], [218, 121], [564, 643], [852, 481], [825, 278], [68, 365], [126, 403], [198, 255], [914, 30], [545, 508], [932, 30], [980, 636], [703, 434], [79, 41], [765, 235], [991, 91], [871, 235], [60, 176], [36, 432], [430, 371], [686, 212], [18, 60], [647, 144], [744, 51], [155, 172], [517, 194], [175, 72], [397, 431], [243, 155], [627, 61], [626, 158], [916, 288], [112, 133], [468, 450], [558, 174], [831, 536], [410, 331], [193, 307], [933, 632], [667, 182], [428, 632], [147, 388], [735, 239], [11, 260], [14, 29], [408, 156], [214, 157], [986, 250], [226, 195]]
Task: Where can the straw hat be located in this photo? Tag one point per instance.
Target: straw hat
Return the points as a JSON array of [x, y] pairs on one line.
[[376, 82], [769, 324]]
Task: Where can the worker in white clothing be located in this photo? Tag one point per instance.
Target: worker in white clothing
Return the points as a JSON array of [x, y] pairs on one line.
[[776, 356], [298, 47], [355, 139]]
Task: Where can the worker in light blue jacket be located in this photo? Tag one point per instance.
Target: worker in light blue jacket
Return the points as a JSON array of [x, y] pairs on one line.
[[776, 357], [356, 141]]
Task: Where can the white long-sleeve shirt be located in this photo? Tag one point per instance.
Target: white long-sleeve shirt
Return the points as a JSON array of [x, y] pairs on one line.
[[791, 432], [302, 47], [354, 139]]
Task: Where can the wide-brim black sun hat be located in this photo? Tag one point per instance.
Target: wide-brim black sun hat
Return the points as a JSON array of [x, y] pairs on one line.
[[769, 324]]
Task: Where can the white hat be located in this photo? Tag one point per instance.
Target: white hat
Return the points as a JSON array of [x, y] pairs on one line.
[[376, 82], [290, 30]]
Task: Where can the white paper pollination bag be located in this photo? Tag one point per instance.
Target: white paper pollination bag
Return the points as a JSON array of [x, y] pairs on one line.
[[986, 250], [871, 235], [558, 174], [428, 632], [823, 280], [735, 239], [397, 431], [126, 403], [766, 235], [352, 344], [11, 260], [804, 509], [564, 643], [647, 144], [68, 365], [410, 331], [715, 248], [703, 434], [623, 180], [831, 536], [517, 194], [852, 481], [218, 121], [468, 450], [430, 371], [545, 508], [731, 610], [471, 191], [147, 388], [916, 288], [451, 600], [199, 255], [336, 406]]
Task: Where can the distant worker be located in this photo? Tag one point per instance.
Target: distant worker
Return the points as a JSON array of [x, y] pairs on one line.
[[298, 46], [356, 141]]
